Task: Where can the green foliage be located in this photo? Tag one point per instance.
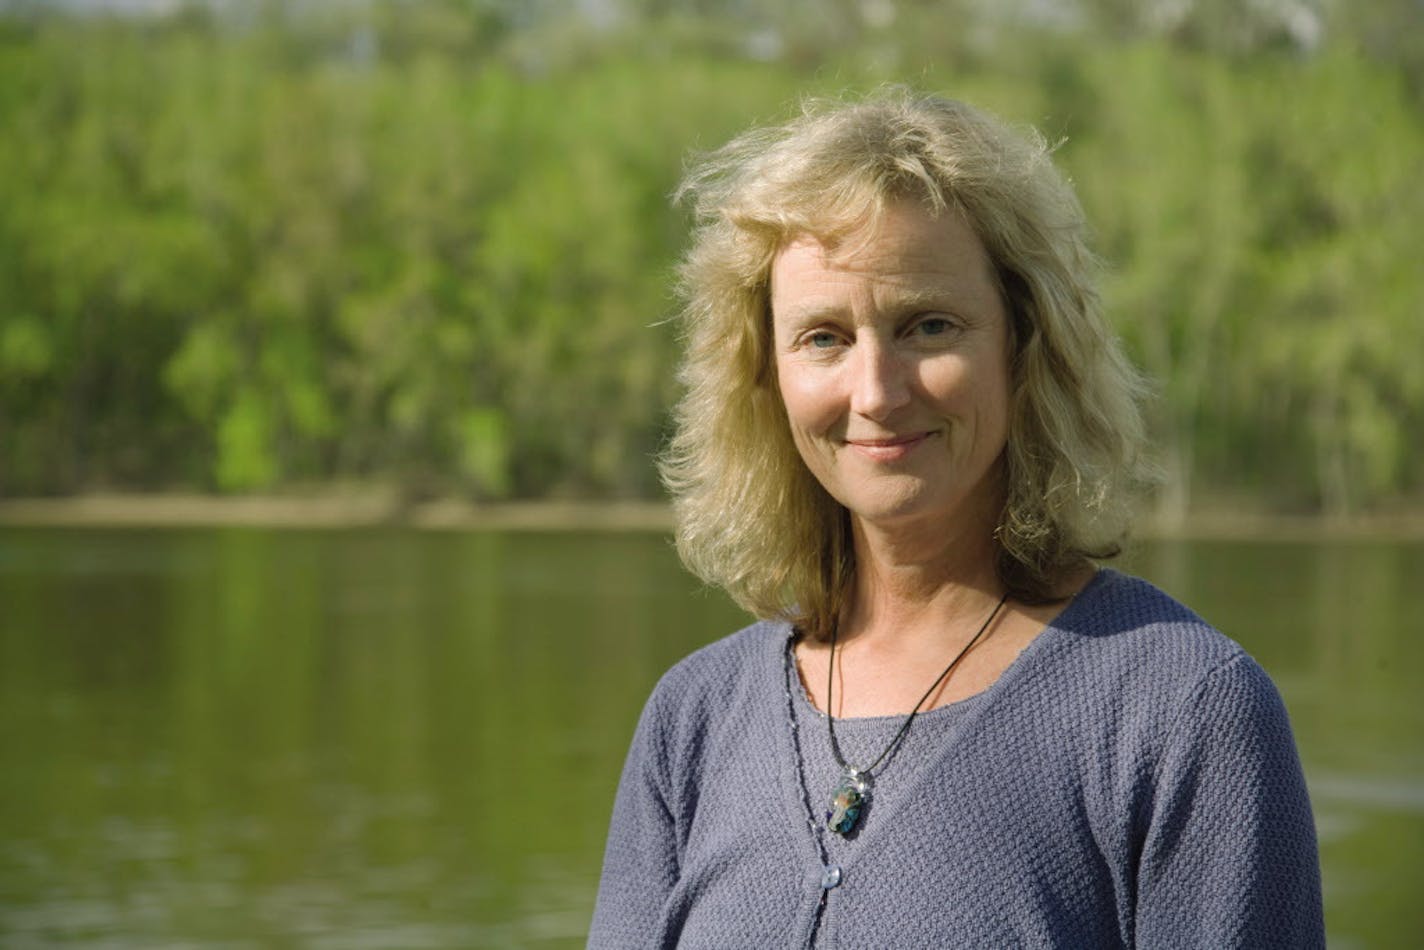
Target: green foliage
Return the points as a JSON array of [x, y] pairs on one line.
[[431, 244], [484, 448], [26, 353], [245, 458]]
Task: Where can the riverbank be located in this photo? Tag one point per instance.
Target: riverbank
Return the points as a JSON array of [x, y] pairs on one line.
[[344, 509], [370, 508]]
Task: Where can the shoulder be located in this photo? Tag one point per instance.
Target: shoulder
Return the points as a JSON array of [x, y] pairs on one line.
[[738, 672], [1134, 667], [725, 662], [1132, 630], [1115, 603]]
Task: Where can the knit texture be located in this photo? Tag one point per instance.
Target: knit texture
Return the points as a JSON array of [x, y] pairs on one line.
[[1130, 780]]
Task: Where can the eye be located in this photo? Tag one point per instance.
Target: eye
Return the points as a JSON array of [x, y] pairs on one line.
[[933, 326], [822, 339]]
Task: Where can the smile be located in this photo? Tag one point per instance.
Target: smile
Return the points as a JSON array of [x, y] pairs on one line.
[[891, 449]]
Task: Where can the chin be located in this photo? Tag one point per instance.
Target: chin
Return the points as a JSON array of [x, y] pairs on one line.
[[895, 506], [897, 501]]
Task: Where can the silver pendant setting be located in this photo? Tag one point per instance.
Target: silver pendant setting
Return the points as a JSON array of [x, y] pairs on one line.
[[848, 801]]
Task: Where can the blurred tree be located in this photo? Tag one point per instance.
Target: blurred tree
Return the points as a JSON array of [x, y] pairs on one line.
[[1339, 287], [251, 245], [1162, 175]]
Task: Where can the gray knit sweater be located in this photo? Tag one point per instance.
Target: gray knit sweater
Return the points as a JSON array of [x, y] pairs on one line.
[[1130, 780]]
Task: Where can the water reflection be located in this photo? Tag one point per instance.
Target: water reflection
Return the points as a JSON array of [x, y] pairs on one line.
[[400, 738]]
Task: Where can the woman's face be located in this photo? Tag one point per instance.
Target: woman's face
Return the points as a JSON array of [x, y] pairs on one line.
[[892, 357]]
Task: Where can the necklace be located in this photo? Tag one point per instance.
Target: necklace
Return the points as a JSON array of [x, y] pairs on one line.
[[853, 793]]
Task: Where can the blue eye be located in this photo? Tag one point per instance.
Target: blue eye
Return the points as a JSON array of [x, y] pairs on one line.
[[933, 326], [823, 340]]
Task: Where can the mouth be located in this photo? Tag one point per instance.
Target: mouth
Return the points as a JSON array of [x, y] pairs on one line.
[[889, 449]]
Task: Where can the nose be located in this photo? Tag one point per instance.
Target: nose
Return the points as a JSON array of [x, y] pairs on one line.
[[880, 383]]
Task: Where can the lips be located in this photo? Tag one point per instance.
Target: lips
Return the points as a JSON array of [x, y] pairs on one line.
[[888, 449]]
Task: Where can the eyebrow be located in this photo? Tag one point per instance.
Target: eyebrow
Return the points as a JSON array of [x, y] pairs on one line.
[[907, 300]]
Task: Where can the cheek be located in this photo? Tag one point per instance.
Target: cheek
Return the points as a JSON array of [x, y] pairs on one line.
[[993, 409], [809, 402], [948, 384], [963, 388]]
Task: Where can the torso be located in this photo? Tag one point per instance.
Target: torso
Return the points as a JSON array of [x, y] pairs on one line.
[[1097, 794]]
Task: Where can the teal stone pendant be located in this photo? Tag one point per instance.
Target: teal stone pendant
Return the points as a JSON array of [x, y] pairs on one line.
[[847, 801]]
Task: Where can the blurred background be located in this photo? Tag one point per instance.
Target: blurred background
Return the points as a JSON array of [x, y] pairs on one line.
[[421, 251]]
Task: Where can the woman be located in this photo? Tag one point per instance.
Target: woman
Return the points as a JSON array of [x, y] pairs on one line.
[[907, 436]]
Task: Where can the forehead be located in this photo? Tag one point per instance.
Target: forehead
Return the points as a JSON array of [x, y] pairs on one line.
[[906, 246]]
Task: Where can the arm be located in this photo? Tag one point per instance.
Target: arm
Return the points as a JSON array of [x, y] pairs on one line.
[[1230, 858], [640, 862]]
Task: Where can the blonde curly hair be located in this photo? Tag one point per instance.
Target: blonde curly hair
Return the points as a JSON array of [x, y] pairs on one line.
[[750, 516]]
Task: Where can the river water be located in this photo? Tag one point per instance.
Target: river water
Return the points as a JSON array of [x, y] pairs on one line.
[[410, 739]]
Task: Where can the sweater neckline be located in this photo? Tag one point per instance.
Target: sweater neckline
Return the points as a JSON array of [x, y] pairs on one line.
[[946, 710], [1024, 660], [801, 810]]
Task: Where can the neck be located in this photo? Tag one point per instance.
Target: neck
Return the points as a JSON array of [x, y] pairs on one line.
[[910, 578]]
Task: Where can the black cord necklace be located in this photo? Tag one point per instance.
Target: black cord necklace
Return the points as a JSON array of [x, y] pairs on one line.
[[853, 792]]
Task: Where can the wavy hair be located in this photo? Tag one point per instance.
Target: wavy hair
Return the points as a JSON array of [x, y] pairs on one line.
[[750, 516]]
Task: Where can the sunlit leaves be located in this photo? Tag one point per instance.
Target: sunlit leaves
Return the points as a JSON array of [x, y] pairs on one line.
[[430, 244]]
